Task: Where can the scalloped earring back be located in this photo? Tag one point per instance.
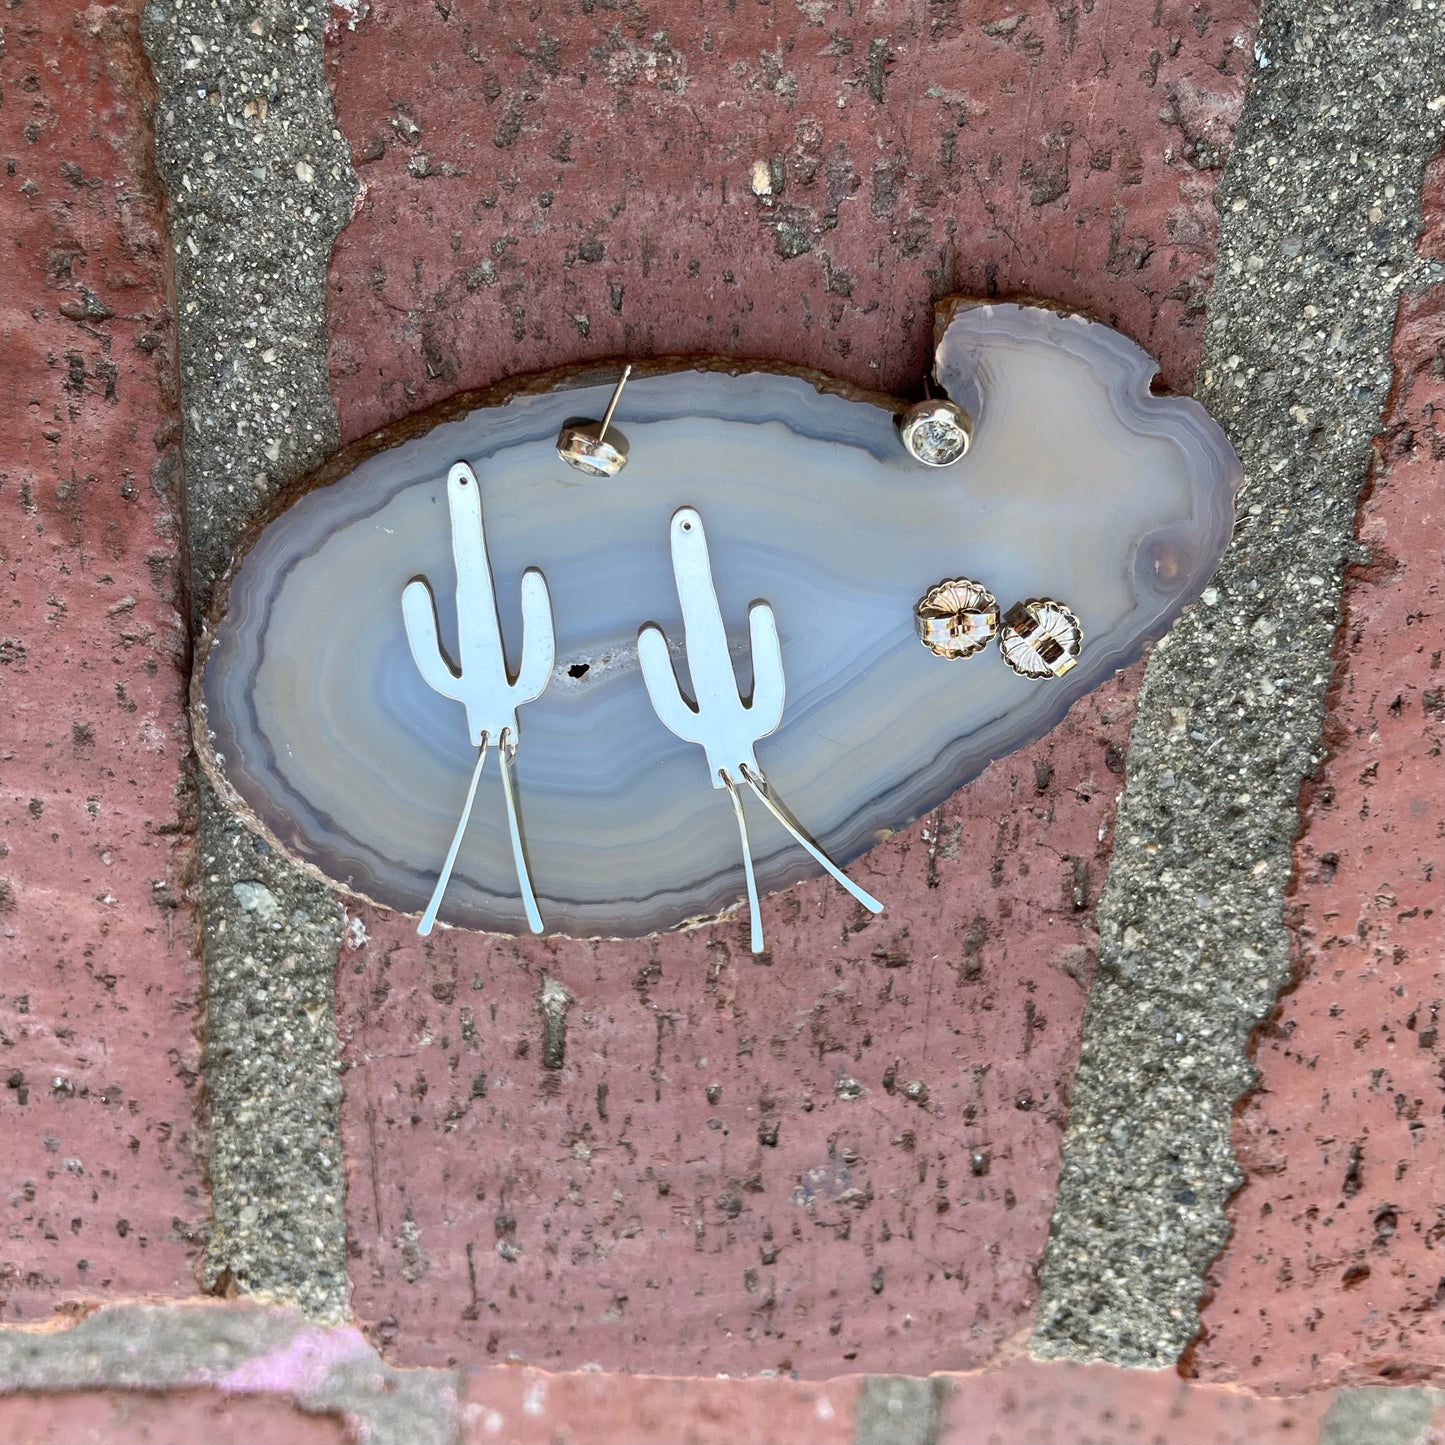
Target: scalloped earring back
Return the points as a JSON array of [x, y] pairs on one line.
[[957, 618], [1040, 638]]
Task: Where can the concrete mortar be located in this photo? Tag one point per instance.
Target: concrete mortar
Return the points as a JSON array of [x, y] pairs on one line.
[[1319, 211], [241, 1350], [898, 1410], [259, 183], [1383, 1416]]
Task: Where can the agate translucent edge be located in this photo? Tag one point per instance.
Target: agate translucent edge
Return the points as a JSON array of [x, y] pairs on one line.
[[1079, 485]]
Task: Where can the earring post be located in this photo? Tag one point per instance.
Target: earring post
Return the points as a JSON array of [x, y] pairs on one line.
[[444, 877], [519, 856], [759, 784], [754, 913], [612, 404]]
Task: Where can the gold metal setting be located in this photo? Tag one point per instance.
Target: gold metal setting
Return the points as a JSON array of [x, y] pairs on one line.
[[957, 618], [1040, 638], [585, 445], [936, 432]]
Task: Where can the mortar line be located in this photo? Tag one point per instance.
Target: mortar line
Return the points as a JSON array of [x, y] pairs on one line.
[[1193, 948], [258, 183]]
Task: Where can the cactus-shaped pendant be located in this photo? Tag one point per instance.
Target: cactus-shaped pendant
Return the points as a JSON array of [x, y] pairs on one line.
[[718, 720], [480, 680]]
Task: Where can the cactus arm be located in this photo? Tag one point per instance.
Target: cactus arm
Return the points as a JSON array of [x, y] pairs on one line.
[[418, 611], [539, 639], [766, 708], [662, 689]]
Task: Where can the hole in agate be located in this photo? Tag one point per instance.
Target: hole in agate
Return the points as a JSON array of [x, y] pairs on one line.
[[579, 669]]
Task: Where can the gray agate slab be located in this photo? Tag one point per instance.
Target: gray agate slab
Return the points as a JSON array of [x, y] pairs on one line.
[[1080, 485]]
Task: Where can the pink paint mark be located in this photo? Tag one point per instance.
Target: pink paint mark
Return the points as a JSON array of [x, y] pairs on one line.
[[302, 1365]]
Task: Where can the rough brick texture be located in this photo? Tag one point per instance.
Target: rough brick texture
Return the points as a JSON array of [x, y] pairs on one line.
[[1069, 1404], [98, 977], [789, 181], [530, 1407], [1334, 1272], [177, 1417]]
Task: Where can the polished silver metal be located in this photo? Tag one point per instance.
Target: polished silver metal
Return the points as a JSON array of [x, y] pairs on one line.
[[718, 720], [1040, 638], [444, 877], [584, 445], [936, 432], [755, 913], [481, 681], [759, 784], [506, 751]]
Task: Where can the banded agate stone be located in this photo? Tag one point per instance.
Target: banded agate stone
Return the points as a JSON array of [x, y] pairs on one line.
[[1079, 485]]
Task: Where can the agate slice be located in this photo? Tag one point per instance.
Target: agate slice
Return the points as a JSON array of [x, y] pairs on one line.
[[1079, 485]]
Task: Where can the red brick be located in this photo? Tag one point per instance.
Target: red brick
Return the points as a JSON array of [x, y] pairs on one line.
[[1431, 241], [589, 194], [533, 1218], [529, 1407], [1333, 1272], [173, 1417], [1069, 1404], [98, 977], [578, 179]]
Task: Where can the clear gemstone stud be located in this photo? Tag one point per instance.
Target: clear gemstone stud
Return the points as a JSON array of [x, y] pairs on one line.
[[936, 432]]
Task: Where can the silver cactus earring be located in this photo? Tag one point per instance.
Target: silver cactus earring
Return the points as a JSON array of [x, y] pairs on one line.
[[1040, 638], [585, 445], [480, 680], [718, 720]]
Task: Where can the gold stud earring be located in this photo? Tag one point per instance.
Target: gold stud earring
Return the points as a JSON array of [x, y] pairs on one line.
[[586, 446], [935, 431]]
